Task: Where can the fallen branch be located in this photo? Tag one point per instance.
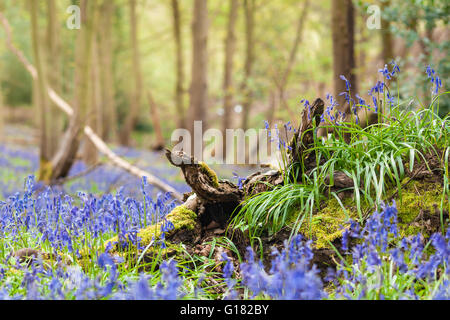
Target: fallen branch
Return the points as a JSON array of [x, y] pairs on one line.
[[95, 139]]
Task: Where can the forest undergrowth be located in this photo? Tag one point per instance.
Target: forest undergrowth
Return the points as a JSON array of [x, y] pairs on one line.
[[385, 235]]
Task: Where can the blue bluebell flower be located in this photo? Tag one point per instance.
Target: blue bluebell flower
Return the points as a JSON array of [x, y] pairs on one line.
[[347, 83]]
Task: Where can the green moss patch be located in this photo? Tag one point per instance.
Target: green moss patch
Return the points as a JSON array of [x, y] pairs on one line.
[[181, 218], [210, 173], [327, 224], [418, 211]]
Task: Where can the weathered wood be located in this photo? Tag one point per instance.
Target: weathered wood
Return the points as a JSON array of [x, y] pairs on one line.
[[260, 182], [340, 180], [217, 199], [303, 139], [203, 180]]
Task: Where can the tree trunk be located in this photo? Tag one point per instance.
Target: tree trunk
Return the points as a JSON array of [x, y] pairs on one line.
[[230, 44], [342, 21], [363, 38], [94, 118], [43, 103], [64, 158], [249, 9], [133, 113], [109, 129], [179, 87], [154, 114], [386, 35], [54, 75], [199, 88]]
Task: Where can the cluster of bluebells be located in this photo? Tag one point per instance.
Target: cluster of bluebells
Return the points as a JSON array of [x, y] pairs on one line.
[[291, 276], [335, 116], [377, 244], [14, 165], [275, 135], [42, 283], [17, 163], [381, 86], [434, 79], [228, 276], [168, 288], [63, 222]]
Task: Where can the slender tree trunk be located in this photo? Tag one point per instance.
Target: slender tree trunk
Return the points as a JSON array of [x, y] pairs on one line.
[[230, 44], [362, 54], [54, 76], [64, 158], [109, 129], [342, 22], [386, 35], [43, 109], [199, 87], [94, 113], [179, 87], [132, 116], [154, 114], [35, 103], [249, 9]]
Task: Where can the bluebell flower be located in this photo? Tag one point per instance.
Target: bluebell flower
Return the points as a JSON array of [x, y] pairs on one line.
[[290, 276], [240, 180], [307, 106], [434, 79], [395, 67], [347, 83], [345, 236], [377, 88], [385, 72], [390, 100]]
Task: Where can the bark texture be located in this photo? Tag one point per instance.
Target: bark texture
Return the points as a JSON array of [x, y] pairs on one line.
[[133, 113], [179, 86], [41, 90], [54, 75], [342, 21], [386, 35], [199, 86]]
